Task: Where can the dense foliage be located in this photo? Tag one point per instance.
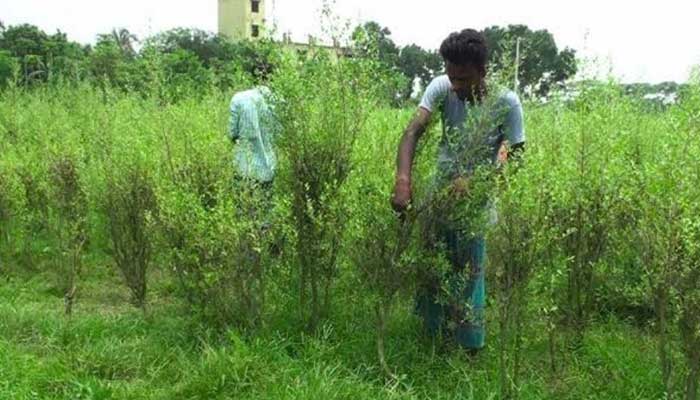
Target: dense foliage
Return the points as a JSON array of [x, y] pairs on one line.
[[542, 64], [102, 183]]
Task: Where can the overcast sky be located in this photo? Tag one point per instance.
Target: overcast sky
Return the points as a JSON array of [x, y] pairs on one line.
[[642, 40]]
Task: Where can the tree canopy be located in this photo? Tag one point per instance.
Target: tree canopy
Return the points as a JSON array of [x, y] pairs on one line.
[[541, 65], [38, 54], [541, 62]]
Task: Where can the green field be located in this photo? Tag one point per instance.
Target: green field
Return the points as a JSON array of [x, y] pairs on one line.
[[605, 200], [108, 350]]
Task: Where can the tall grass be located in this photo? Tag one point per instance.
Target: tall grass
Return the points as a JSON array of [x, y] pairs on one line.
[[601, 210]]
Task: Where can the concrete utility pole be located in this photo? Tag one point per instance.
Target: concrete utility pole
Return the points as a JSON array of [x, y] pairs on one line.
[[516, 83]]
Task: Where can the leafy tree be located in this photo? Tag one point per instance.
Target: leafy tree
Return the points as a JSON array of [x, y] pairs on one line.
[[29, 45], [7, 67], [415, 62], [182, 68], [24, 40], [39, 54], [204, 45], [107, 61], [373, 40], [252, 56], [65, 58], [541, 62], [123, 39], [227, 61]]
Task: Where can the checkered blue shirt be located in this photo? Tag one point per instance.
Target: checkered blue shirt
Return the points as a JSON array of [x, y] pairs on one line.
[[253, 126]]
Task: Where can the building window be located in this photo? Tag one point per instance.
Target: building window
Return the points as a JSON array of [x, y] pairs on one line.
[[256, 31], [255, 5]]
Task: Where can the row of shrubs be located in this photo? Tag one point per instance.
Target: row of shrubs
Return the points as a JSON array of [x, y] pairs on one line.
[[600, 215]]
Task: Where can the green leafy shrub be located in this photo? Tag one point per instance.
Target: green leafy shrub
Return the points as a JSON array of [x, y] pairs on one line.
[[219, 254], [129, 202], [322, 105], [8, 68], [12, 213], [518, 244], [388, 261], [69, 213], [214, 227]]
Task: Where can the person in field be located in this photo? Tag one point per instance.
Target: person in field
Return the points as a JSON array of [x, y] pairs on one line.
[[253, 127], [453, 96]]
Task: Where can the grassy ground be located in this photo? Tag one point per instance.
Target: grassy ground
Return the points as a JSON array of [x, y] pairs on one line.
[[110, 350]]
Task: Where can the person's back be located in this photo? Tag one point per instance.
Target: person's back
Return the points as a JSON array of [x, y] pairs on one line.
[[253, 126]]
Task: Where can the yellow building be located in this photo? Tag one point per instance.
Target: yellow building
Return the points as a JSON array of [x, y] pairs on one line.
[[306, 49], [242, 19], [245, 19]]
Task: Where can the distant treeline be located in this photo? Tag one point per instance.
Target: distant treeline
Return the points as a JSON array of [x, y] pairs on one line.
[[192, 58], [179, 58]]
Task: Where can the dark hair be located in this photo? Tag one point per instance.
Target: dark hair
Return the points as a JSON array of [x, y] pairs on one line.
[[465, 47]]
